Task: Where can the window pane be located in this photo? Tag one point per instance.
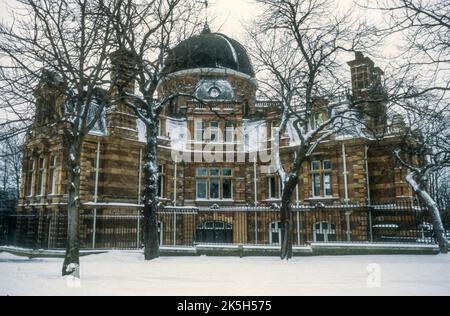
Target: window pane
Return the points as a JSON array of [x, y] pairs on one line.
[[326, 165], [227, 172], [199, 130], [214, 189], [53, 161], [275, 238], [318, 119], [161, 186], [273, 192], [54, 178], [315, 166], [201, 189], [327, 184], [214, 131], [229, 131], [214, 172], [227, 189], [202, 172], [316, 185]]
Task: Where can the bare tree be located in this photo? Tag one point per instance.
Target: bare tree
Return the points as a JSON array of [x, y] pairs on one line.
[[442, 189], [422, 90], [64, 44], [296, 48], [11, 168], [426, 152], [145, 32]]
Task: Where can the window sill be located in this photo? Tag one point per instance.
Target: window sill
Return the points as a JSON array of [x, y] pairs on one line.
[[208, 203], [273, 200], [321, 198], [214, 200]]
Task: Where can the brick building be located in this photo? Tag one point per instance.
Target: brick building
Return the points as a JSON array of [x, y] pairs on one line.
[[222, 143]]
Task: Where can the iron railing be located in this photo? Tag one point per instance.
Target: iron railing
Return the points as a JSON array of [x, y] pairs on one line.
[[387, 223]]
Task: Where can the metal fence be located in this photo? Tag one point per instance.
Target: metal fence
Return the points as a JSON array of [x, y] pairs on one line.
[[387, 223]]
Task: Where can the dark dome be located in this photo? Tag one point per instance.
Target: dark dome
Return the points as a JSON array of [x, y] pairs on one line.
[[209, 50]]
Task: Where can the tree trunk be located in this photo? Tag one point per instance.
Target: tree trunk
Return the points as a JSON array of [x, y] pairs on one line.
[[71, 265], [151, 241], [287, 223], [432, 207]]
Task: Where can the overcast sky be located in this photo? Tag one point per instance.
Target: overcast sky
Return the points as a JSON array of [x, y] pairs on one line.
[[229, 14]]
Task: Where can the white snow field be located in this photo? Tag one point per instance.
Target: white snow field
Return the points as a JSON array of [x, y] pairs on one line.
[[126, 273]]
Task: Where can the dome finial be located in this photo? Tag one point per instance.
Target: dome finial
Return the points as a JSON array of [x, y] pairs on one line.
[[206, 29]]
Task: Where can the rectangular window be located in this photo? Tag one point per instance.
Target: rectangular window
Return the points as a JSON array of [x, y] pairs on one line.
[[322, 184], [202, 183], [53, 174], [214, 188], [161, 181], [317, 120], [227, 183], [202, 187], [316, 185], [214, 172], [214, 184], [214, 132], [227, 172], [327, 184], [202, 172], [315, 166], [31, 178], [273, 188], [42, 176], [227, 189], [200, 131], [229, 132]]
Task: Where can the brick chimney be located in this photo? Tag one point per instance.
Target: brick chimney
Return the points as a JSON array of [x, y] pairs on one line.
[[121, 119], [368, 89]]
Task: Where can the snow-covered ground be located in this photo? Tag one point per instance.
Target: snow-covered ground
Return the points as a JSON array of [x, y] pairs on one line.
[[126, 273]]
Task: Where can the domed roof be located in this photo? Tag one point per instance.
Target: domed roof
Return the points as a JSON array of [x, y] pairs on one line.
[[209, 50]]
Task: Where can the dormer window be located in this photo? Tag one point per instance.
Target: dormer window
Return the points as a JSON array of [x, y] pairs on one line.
[[317, 120]]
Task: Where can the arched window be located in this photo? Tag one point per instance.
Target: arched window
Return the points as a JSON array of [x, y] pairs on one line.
[[215, 232], [275, 233], [324, 232]]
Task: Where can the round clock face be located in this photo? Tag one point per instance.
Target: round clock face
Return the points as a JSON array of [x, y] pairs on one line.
[[214, 92]]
